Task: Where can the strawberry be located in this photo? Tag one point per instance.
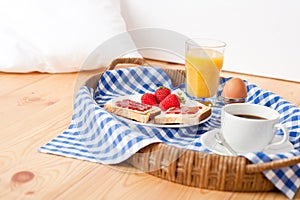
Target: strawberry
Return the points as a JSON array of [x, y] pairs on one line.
[[170, 101], [149, 99], [161, 93]]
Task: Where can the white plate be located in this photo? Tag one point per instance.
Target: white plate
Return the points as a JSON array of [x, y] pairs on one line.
[[208, 140], [151, 122]]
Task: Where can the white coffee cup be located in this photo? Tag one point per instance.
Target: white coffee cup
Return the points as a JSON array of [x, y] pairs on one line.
[[244, 134]]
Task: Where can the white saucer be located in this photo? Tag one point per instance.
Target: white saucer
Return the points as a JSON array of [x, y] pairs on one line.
[[208, 140]]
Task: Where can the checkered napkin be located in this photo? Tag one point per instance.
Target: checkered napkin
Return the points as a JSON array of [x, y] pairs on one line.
[[98, 136]]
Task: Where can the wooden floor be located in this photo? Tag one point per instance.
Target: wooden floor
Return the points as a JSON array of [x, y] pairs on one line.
[[37, 107]]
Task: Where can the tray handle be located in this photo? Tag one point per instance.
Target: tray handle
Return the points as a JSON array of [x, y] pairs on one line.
[[115, 62], [253, 168], [92, 81]]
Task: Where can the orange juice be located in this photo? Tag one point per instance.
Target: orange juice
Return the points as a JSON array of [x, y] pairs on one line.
[[203, 68]]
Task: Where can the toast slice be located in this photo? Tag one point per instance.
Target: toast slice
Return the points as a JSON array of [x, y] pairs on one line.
[[184, 115], [132, 110]]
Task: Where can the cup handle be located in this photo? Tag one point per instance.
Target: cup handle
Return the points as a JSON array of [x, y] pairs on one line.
[[284, 139]]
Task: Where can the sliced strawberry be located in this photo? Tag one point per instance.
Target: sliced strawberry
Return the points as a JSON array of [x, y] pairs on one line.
[[170, 101], [161, 93], [149, 99]]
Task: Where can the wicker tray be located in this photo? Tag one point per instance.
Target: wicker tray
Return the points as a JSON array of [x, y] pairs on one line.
[[197, 169]]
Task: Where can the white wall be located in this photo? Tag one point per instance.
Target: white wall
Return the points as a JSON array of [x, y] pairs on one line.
[[262, 36]]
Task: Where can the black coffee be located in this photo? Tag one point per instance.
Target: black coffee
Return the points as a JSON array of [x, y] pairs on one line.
[[250, 116]]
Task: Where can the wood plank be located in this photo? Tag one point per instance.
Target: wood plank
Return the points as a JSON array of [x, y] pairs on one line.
[[37, 107], [27, 134], [12, 82]]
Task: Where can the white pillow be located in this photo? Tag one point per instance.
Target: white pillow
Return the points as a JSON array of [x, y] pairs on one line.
[[59, 35]]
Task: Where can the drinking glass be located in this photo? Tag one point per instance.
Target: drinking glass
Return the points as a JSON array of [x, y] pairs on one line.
[[204, 61]]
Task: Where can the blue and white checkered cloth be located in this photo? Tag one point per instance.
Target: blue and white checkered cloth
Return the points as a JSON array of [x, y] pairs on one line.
[[98, 136]]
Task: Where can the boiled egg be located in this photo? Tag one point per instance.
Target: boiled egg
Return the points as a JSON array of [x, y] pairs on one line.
[[235, 88]]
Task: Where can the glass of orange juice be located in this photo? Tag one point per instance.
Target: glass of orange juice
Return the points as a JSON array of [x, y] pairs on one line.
[[203, 63]]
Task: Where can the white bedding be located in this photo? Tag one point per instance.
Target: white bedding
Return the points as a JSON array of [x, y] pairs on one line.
[[59, 35]]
